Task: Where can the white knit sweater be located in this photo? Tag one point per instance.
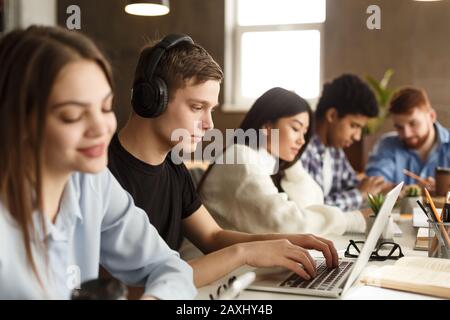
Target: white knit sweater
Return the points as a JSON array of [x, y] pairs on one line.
[[243, 197]]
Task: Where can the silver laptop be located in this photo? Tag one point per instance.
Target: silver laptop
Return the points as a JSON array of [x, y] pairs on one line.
[[328, 282]]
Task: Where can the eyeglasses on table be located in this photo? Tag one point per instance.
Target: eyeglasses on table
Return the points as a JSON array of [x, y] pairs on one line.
[[383, 251]]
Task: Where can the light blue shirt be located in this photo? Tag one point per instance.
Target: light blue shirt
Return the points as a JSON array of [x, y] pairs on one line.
[[390, 157], [97, 223]]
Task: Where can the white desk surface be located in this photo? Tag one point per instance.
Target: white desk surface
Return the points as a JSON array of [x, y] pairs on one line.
[[358, 291]]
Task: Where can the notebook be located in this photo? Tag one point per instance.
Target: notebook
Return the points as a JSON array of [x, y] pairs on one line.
[[328, 282]]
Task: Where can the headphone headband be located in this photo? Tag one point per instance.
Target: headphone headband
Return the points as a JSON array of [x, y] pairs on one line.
[[160, 48], [149, 97]]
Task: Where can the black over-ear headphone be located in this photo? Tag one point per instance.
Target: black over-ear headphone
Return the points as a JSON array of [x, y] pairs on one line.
[[150, 96]]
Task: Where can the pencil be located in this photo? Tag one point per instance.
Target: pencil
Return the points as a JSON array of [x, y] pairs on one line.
[[435, 242], [432, 206], [416, 177], [438, 218]]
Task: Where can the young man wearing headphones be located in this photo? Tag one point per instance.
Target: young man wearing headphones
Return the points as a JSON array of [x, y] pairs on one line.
[[177, 86]]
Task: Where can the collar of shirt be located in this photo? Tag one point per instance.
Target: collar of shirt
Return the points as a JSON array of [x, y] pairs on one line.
[[320, 149], [69, 212], [318, 145], [442, 133]]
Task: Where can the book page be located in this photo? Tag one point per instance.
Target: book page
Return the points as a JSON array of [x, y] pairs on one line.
[[410, 275], [416, 277], [421, 245], [422, 233], [429, 264]]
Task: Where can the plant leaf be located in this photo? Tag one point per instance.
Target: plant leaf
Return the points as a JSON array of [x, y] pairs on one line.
[[386, 78], [374, 85]]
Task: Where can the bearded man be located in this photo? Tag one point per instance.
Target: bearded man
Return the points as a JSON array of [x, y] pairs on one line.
[[420, 143]]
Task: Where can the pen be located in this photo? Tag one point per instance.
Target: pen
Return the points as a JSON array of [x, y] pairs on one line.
[[438, 218], [415, 177], [424, 210], [237, 286], [435, 242], [445, 213]]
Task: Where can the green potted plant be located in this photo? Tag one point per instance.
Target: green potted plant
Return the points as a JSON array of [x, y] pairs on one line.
[[358, 153], [375, 203], [409, 201], [383, 95]]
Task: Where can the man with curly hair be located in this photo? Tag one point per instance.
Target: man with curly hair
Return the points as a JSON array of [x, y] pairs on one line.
[[343, 110]]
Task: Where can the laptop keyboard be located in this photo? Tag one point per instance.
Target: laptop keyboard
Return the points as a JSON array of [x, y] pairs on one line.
[[326, 279]]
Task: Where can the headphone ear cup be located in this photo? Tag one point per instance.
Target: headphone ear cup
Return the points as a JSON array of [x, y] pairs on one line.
[[160, 87], [143, 99]]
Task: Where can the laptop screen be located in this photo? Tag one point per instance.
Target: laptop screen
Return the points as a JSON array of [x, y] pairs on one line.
[[374, 235]]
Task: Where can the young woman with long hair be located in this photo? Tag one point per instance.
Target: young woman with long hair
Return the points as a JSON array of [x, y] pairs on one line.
[[267, 190], [62, 213]]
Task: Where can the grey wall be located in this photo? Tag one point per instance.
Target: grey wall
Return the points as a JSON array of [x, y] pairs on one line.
[[414, 41], [122, 35]]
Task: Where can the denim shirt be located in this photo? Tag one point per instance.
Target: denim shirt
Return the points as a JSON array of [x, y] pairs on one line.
[[97, 223], [390, 156]]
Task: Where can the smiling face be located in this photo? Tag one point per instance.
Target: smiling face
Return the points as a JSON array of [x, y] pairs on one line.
[[189, 112], [292, 131], [414, 128], [80, 120], [344, 131]]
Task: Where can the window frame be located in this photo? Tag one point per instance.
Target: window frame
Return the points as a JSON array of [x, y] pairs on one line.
[[233, 100]]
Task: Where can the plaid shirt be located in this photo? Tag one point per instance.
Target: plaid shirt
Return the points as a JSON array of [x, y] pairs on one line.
[[344, 193]]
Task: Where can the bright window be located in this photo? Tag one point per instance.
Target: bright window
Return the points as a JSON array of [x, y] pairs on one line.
[[272, 43], [265, 12]]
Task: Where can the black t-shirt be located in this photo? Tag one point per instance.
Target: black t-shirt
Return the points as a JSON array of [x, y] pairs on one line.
[[166, 192]]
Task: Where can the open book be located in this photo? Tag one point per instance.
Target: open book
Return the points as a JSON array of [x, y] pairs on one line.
[[429, 276]]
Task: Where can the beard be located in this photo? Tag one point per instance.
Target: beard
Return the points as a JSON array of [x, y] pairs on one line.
[[416, 142]]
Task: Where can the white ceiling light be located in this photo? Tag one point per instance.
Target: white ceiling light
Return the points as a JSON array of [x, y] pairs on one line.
[[148, 7]]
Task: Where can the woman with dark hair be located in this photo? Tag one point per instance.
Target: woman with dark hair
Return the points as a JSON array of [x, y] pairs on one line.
[[272, 106], [62, 213], [266, 189]]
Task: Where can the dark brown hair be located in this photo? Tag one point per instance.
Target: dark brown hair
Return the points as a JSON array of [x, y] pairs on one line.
[[273, 105], [348, 94], [30, 62], [406, 99], [180, 63]]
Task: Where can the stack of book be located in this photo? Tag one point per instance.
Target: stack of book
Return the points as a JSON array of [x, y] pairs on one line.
[[422, 239]]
